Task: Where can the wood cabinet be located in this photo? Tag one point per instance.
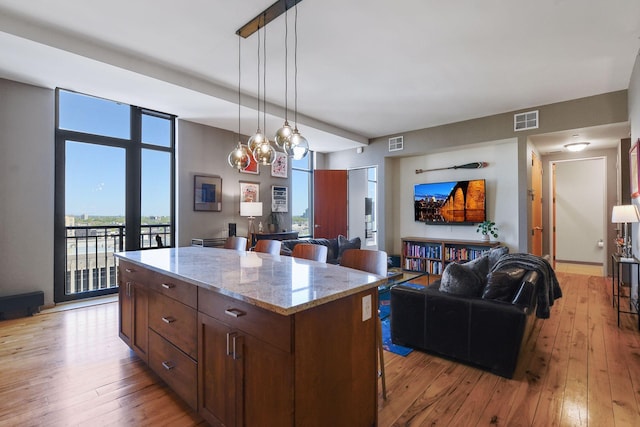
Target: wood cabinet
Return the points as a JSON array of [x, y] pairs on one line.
[[432, 255], [243, 365], [133, 299]]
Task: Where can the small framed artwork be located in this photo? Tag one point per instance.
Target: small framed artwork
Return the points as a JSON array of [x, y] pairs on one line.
[[280, 165], [279, 198], [207, 193], [253, 167], [634, 172], [249, 191]]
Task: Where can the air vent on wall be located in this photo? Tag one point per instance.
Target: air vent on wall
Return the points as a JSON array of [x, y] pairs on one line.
[[396, 143], [524, 121]]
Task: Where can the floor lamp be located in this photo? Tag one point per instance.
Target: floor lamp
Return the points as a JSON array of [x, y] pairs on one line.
[[624, 214], [251, 210]]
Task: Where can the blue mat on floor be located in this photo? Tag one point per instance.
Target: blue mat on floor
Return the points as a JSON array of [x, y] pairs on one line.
[[384, 313]]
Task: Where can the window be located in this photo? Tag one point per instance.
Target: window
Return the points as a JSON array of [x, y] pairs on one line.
[[301, 192], [114, 189], [371, 230]]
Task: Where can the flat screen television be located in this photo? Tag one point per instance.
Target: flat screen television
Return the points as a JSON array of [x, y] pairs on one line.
[[451, 202]]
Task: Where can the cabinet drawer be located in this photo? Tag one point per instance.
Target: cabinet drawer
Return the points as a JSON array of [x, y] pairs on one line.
[[181, 291], [178, 370], [174, 321], [129, 272], [270, 327]]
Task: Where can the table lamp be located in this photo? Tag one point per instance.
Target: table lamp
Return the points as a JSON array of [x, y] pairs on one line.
[[251, 210], [624, 214]]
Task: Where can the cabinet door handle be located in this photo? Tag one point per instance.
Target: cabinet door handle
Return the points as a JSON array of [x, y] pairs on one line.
[[230, 335], [168, 319], [168, 285], [237, 347], [234, 312], [128, 289], [129, 270], [168, 365]]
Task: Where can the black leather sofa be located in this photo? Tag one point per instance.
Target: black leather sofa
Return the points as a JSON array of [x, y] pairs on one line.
[[482, 332], [335, 247]]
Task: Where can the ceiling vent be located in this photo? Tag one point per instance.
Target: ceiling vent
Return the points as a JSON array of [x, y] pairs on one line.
[[396, 143], [524, 121]]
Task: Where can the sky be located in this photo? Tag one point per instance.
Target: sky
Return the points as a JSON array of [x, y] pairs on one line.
[[95, 174]]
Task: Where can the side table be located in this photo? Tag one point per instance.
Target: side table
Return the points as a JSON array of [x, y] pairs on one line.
[[617, 281]]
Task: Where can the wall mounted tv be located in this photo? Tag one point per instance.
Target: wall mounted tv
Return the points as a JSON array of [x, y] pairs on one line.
[[452, 202]]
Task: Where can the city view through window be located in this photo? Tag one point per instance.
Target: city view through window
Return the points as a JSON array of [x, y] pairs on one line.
[[103, 213]]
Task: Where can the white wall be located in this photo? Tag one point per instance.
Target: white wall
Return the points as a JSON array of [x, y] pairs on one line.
[[580, 197], [26, 189], [501, 177]]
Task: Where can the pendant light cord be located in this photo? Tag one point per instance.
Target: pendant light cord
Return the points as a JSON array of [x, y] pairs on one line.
[[258, 78], [295, 62], [239, 81], [286, 64], [264, 86]]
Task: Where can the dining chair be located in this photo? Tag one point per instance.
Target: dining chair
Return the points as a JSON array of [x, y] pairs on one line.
[[268, 246], [310, 251], [237, 243], [374, 262]]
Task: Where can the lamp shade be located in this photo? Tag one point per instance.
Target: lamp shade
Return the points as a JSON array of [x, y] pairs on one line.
[[624, 214], [250, 208]]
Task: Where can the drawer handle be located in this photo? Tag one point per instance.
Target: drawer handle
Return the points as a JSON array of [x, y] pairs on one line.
[[234, 312], [168, 319], [129, 270], [230, 335], [168, 285], [168, 365]]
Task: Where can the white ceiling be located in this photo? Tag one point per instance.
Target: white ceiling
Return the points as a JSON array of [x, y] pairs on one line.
[[366, 68]]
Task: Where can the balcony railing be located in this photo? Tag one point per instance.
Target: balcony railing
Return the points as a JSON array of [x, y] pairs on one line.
[[90, 265]]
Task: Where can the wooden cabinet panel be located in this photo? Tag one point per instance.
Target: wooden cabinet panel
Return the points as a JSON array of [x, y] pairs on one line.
[[242, 379], [181, 291], [174, 367], [267, 325], [174, 321], [132, 298], [140, 339]]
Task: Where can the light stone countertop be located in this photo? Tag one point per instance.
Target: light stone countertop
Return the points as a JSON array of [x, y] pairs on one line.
[[281, 284]]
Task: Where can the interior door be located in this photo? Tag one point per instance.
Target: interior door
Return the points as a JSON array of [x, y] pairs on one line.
[[536, 205], [329, 203], [580, 218]]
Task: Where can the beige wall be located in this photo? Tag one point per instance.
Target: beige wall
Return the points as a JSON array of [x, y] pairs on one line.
[[26, 189], [585, 112], [203, 150]]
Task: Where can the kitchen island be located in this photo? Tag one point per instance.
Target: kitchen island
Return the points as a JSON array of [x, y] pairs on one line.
[[253, 339]]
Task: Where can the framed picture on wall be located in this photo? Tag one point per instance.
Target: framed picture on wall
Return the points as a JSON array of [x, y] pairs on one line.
[[280, 165], [249, 191], [253, 167], [279, 198], [207, 193], [634, 161]]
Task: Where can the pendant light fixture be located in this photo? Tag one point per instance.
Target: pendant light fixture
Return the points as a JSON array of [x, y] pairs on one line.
[[263, 152], [258, 137], [297, 146], [284, 133], [239, 157]]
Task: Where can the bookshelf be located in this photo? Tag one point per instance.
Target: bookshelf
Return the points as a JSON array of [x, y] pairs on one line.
[[432, 255]]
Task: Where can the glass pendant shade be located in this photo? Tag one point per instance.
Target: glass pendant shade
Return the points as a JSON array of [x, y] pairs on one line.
[[297, 147], [258, 138], [283, 134], [264, 153], [239, 157]]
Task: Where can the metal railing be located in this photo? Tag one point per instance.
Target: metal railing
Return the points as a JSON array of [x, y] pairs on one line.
[[89, 261]]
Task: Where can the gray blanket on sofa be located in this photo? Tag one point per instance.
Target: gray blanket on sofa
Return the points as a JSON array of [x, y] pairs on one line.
[[550, 289]]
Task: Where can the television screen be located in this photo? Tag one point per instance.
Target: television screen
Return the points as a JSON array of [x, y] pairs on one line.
[[453, 202]]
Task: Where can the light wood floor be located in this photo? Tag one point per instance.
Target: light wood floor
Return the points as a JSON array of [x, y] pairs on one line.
[[578, 369]]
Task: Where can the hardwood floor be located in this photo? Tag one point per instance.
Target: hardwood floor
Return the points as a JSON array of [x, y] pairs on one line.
[[578, 369]]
